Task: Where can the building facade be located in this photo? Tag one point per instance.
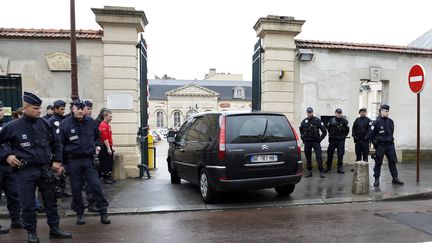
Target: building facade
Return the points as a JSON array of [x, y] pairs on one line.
[[173, 101]]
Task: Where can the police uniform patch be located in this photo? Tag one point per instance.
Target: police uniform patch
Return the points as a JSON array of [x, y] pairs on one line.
[[24, 145], [370, 123], [72, 130], [372, 127], [24, 136], [73, 138], [56, 123], [306, 121], [58, 131]]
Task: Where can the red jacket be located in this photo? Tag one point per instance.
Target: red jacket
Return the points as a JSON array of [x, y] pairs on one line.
[[105, 132]]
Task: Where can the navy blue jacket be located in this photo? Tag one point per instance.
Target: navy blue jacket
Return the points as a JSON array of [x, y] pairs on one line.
[[338, 128], [79, 138], [382, 130], [4, 149], [32, 140], [361, 128], [310, 130], [54, 122]]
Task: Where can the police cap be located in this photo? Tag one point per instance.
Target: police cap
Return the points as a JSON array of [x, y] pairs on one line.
[[59, 103], [338, 110], [32, 99], [50, 107], [362, 110], [309, 110], [385, 107], [88, 103], [79, 103]]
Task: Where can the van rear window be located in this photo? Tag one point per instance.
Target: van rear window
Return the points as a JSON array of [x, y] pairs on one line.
[[258, 129]]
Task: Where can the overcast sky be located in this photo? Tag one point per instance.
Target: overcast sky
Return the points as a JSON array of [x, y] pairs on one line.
[[187, 37]]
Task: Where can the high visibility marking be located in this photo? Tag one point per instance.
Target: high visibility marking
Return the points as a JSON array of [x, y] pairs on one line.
[[416, 79]]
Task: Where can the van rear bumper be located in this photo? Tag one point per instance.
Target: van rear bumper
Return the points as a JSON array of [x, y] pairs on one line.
[[220, 183]]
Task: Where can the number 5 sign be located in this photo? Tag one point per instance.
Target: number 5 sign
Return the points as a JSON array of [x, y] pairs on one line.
[[375, 74]]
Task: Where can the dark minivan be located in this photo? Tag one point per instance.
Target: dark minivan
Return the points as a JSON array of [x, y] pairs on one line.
[[229, 151]]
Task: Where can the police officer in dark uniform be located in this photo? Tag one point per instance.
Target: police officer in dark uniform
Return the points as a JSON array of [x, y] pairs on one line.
[[49, 112], [383, 140], [360, 133], [32, 142], [54, 121], [310, 134], [80, 136], [338, 130], [8, 184]]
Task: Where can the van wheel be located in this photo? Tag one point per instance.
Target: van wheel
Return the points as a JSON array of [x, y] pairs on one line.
[[285, 190], [207, 194]]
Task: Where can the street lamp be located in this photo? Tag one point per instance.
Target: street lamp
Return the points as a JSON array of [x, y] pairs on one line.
[[305, 54]]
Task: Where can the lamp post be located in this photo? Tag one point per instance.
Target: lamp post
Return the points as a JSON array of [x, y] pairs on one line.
[[74, 69]]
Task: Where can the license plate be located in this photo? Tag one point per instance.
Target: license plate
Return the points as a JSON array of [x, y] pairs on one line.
[[263, 158]]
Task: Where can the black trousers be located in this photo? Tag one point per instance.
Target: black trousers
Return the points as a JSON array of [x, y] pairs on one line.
[[9, 184], [334, 144], [308, 152], [362, 150], [80, 170], [28, 179], [106, 162], [390, 152]]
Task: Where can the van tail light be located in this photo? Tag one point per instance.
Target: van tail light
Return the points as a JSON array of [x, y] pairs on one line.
[[298, 141], [221, 151]]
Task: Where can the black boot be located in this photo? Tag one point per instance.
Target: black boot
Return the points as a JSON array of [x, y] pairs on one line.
[[397, 181], [328, 170], [322, 174], [16, 224], [32, 237], [59, 234], [80, 219], [376, 182], [104, 218], [309, 173], [340, 170], [3, 230]]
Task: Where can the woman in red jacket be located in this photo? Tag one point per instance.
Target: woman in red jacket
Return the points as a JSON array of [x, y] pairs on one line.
[[106, 155]]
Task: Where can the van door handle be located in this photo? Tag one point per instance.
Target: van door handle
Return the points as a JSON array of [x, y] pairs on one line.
[[182, 150], [291, 147]]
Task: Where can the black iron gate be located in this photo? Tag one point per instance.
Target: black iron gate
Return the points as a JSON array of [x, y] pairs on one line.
[[143, 129], [256, 76], [10, 93]]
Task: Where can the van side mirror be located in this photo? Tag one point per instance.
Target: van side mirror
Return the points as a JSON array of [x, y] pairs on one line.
[[171, 136]]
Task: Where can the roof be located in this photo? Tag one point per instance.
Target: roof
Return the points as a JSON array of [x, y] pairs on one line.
[[424, 41], [158, 87], [361, 47], [48, 34]]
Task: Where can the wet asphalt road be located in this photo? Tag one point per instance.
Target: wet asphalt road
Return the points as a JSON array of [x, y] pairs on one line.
[[356, 222]]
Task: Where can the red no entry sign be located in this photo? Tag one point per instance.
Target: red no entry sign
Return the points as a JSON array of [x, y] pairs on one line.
[[416, 78]]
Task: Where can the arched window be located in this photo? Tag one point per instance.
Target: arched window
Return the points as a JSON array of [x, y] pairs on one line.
[[160, 119], [177, 119], [190, 113]]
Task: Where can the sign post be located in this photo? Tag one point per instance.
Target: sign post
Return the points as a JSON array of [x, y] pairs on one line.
[[416, 81]]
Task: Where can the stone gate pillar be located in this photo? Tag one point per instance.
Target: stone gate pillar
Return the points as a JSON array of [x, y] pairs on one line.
[[278, 62], [121, 26]]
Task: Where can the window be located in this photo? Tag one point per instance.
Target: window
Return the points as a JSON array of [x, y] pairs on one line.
[[203, 129], [159, 119], [190, 113], [177, 119], [258, 129], [239, 93]]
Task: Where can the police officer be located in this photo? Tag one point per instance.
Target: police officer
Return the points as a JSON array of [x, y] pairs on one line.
[[338, 130], [79, 136], [54, 121], [32, 142], [310, 134], [8, 184], [383, 140], [88, 108], [360, 133], [49, 112]]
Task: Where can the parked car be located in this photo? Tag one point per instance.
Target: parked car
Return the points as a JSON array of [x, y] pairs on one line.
[[235, 151]]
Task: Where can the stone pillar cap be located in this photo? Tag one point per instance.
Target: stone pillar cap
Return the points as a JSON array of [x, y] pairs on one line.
[[278, 24], [120, 15]]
